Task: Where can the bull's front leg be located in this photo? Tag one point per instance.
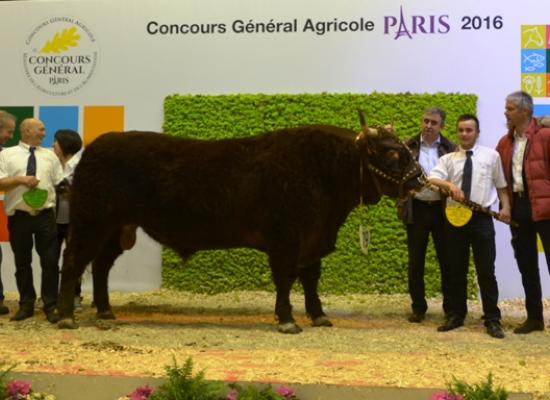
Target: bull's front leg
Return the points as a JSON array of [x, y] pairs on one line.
[[309, 277], [283, 270]]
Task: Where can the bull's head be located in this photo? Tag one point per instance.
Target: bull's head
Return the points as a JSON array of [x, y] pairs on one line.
[[387, 165]]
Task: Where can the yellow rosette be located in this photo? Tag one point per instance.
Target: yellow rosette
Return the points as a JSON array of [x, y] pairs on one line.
[[457, 214]]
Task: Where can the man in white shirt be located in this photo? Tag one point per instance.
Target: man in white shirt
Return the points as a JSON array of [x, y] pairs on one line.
[[486, 175], [28, 175]]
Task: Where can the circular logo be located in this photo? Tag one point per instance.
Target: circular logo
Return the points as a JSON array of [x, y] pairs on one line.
[[60, 56]]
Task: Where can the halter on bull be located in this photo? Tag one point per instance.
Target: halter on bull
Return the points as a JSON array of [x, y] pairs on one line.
[[285, 193], [412, 171]]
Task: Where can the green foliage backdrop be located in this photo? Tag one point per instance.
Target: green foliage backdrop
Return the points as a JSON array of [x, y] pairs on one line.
[[347, 270]]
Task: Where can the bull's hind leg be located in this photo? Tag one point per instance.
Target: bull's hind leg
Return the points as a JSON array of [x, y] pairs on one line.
[[100, 272], [309, 277], [77, 255], [282, 269]]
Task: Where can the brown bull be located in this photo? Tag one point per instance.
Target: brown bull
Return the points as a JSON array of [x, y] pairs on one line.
[[285, 193]]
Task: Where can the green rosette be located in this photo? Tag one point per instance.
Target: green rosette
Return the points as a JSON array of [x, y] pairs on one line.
[[35, 198]]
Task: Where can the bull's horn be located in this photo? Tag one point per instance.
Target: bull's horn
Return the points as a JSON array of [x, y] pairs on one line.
[[364, 127], [389, 127], [362, 121]]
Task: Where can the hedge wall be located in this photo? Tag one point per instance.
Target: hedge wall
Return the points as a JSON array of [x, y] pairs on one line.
[[347, 270]]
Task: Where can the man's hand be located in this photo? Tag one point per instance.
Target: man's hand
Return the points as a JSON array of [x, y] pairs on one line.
[[28, 181], [504, 214], [455, 192]]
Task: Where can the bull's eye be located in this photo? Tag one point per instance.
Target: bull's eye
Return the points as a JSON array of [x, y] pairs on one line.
[[393, 155], [390, 160]]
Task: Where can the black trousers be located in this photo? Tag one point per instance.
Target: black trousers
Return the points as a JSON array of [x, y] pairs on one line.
[[41, 229], [479, 235], [524, 242], [428, 219]]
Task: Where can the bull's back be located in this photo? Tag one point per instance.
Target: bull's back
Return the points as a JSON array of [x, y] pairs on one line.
[[146, 161], [192, 190]]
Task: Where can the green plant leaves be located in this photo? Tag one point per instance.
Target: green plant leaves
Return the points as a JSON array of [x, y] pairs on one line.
[[347, 270]]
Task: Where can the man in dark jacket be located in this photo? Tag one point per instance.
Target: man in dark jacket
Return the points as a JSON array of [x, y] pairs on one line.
[[424, 213], [525, 155]]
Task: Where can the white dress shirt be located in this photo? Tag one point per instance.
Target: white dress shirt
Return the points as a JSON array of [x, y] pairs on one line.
[[517, 162], [13, 162], [487, 173], [62, 216], [70, 166], [427, 158]]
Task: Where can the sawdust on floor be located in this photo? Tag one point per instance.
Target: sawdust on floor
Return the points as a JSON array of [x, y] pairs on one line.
[[233, 336]]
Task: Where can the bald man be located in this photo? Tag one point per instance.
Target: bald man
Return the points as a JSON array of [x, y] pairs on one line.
[[28, 175], [7, 128]]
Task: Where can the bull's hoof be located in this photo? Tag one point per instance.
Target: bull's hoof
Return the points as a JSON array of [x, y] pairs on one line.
[[105, 315], [289, 327], [321, 321], [104, 325], [67, 323]]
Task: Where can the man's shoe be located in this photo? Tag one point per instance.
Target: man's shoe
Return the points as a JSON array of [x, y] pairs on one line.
[[494, 329], [23, 313], [3, 309], [530, 325], [52, 316], [450, 324], [416, 317]]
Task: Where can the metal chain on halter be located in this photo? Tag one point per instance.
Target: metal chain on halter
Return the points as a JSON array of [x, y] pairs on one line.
[[365, 232], [400, 182]]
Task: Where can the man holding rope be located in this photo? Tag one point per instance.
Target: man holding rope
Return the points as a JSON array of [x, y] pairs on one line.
[[472, 173], [525, 153]]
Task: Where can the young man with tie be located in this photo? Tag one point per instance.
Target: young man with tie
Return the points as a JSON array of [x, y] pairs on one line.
[[473, 172], [28, 175]]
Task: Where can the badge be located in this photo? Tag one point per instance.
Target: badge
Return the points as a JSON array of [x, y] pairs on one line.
[[35, 198], [457, 214]]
